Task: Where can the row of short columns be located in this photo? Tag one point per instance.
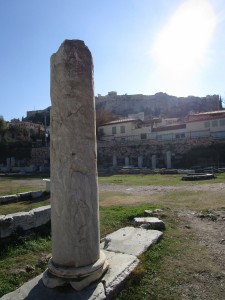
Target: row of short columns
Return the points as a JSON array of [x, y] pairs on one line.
[[140, 160]]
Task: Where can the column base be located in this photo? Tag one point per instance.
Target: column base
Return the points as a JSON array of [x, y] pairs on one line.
[[78, 278]]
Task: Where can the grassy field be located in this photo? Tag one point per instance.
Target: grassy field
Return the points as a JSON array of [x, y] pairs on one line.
[[156, 179], [164, 268], [12, 185]]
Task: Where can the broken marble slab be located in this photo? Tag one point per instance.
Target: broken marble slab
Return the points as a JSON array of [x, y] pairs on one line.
[[130, 240], [149, 223]]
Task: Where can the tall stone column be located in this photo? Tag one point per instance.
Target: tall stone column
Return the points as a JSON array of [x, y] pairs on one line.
[[127, 163], [153, 161], [168, 160], [76, 256], [114, 160], [140, 161]]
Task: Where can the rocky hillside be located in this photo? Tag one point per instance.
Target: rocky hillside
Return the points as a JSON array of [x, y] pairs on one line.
[[156, 105], [153, 105]]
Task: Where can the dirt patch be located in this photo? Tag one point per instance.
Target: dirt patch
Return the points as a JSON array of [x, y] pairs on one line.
[[146, 190], [204, 262], [209, 230]]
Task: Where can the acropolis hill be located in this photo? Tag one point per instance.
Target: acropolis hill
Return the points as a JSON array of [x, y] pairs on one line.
[[158, 104]]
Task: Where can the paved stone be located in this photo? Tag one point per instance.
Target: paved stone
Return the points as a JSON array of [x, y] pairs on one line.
[[130, 240], [121, 265]]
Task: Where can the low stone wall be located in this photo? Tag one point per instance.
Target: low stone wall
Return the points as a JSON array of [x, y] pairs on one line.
[[35, 218], [20, 196]]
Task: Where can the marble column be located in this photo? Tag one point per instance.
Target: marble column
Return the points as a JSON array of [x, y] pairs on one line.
[[140, 161], [154, 161], [114, 160], [76, 256], [127, 161], [168, 159]]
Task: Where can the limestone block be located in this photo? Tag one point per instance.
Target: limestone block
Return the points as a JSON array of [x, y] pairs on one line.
[[130, 240], [8, 198], [47, 185], [120, 267], [24, 220], [36, 194], [149, 223], [6, 226], [25, 195], [41, 215]]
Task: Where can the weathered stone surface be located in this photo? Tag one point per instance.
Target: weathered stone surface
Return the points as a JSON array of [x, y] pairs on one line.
[[36, 194], [25, 195], [149, 223], [74, 187], [121, 265], [131, 240], [24, 220], [41, 215], [35, 290], [8, 198], [47, 185]]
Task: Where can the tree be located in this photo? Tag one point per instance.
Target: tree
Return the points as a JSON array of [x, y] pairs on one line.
[[102, 117], [3, 125]]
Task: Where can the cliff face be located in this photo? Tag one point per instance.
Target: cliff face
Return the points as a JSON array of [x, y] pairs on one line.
[[158, 104]]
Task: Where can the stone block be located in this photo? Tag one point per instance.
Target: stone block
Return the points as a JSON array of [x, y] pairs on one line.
[[149, 223], [42, 215], [24, 220], [130, 240], [6, 226], [36, 194], [25, 195], [8, 198]]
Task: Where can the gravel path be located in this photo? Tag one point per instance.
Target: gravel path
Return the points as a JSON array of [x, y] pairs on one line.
[[151, 189]]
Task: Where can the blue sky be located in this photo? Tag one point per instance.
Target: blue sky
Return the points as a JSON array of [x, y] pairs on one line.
[[138, 47]]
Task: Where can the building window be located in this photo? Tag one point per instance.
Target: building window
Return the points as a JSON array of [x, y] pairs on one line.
[[207, 124], [214, 123], [222, 122], [143, 136], [122, 129], [114, 130]]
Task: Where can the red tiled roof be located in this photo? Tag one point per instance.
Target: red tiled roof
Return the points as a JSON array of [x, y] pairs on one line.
[[210, 115], [121, 121], [169, 127]]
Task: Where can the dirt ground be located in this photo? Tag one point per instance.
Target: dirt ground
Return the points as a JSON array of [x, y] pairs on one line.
[[208, 230]]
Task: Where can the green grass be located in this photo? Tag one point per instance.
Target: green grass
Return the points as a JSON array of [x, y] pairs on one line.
[[14, 207], [156, 179], [21, 262], [12, 185], [14, 259]]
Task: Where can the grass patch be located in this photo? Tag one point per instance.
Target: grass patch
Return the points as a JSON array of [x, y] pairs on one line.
[[22, 261], [11, 185], [14, 207], [156, 179], [193, 200]]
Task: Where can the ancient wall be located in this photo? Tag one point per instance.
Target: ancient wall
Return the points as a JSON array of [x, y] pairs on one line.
[[183, 152]]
